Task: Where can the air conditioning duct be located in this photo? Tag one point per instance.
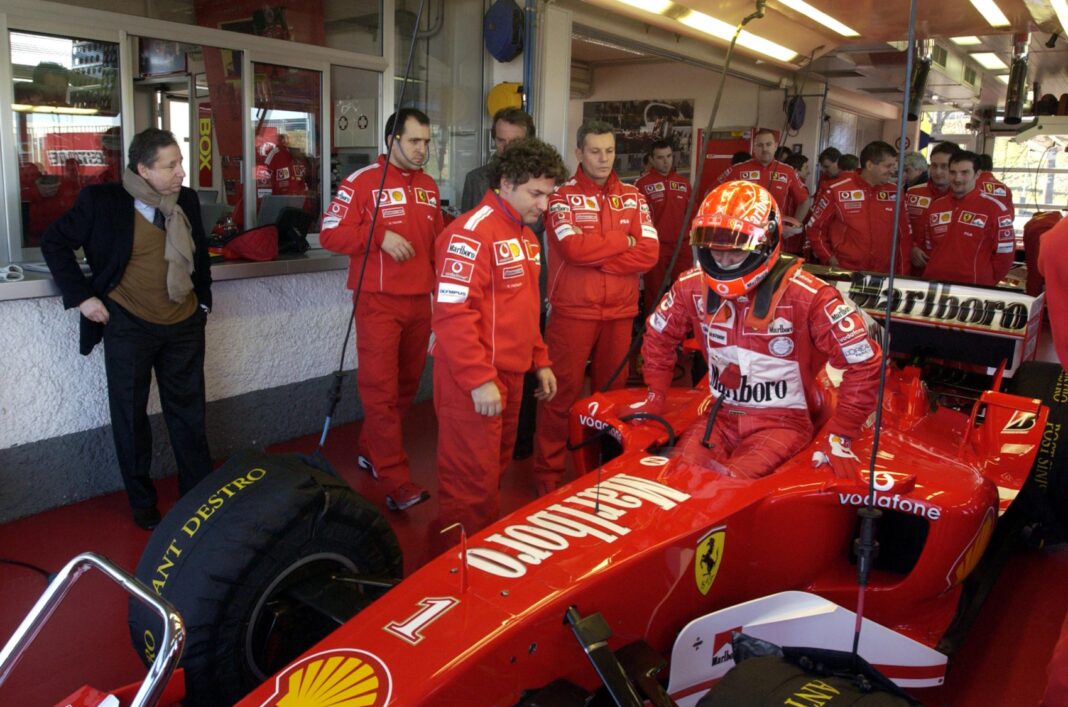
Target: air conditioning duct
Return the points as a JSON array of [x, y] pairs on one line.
[[920, 72], [1017, 89]]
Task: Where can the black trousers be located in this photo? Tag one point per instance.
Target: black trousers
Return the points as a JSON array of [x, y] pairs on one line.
[[133, 349]]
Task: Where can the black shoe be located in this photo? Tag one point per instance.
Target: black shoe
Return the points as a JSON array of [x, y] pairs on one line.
[[146, 518]]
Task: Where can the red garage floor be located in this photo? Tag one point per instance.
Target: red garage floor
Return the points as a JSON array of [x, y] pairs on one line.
[[1002, 663]]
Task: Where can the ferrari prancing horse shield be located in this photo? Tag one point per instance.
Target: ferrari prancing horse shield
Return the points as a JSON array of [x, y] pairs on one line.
[[706, 560]]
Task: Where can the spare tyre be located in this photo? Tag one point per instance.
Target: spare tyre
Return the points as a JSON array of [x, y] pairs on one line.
[[254, 557], [1044, 496]]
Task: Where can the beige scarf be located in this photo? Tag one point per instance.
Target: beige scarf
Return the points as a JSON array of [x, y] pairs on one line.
[[180, 247]]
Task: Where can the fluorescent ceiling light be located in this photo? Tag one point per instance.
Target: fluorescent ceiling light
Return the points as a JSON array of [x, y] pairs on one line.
[[720, 29], [966, 41], [1061, 8], [821, 17], [61, 110], [989, 60], [1003, 78], [991, 13], [657, 7]]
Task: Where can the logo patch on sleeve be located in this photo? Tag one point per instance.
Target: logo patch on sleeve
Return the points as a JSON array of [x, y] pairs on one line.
[[837, 311], [858, 353], [452, 294], [344, 195], [463, 247], [457, 269], [338, 210]]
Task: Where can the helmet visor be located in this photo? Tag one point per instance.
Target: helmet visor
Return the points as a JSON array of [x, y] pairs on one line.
[[729, 236]]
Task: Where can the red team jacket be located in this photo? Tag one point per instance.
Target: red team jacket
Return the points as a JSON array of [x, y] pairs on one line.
[[854, 222], [779, 358], [971, 239], [667, 196], [592, 270], [410, 206], [918, 200], [779, 178], [987, 183], [487, 305]]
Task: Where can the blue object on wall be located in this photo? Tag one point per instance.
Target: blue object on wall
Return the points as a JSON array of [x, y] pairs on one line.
[[503, 30]]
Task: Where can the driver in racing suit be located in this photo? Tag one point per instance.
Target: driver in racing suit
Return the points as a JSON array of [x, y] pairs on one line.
[[769, 328]]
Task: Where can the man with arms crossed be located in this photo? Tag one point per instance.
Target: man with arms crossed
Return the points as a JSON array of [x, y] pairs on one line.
[[601, 238], [393, 313]]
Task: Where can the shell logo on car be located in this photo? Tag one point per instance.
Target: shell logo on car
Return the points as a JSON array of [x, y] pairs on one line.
[[345, 677]]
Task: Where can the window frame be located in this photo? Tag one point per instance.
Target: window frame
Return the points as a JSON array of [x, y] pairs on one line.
[[43, 17]]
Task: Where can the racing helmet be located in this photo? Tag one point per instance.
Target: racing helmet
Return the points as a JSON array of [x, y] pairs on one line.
[[737, 216]]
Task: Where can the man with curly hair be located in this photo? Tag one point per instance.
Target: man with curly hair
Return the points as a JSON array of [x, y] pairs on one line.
[[485, 324]]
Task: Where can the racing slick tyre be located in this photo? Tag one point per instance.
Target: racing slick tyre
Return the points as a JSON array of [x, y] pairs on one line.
[[1044, 497], [241, 554]]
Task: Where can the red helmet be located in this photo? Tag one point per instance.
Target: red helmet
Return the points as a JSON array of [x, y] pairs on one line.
[[740, 216]]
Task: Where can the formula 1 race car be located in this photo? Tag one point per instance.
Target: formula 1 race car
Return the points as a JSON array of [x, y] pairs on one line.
[[637, 564]]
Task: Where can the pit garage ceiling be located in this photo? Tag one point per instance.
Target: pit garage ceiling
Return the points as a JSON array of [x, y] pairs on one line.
[[869, 63]]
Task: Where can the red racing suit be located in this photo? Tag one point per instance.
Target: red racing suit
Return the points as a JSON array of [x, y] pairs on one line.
[[971, 239], [1053, 262], [287, 174], [1037, 225], [765, 363], [918, 200], [782, 181], [593, 296], [486, 328], [854, 222], [987, 183], [393, 313], [668, 196]]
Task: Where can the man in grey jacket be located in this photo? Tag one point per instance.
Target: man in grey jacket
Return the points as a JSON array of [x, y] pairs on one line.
[[508, 124]]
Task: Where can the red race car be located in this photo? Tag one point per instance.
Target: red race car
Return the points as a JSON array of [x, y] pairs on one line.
[[636, 563]]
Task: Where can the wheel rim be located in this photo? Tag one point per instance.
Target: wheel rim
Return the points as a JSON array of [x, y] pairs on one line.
[[278, 629]]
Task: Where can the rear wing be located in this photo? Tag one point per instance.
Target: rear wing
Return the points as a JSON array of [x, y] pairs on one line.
[[970, 324]]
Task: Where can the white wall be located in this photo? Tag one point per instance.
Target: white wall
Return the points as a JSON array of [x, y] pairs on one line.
[[262, 333]]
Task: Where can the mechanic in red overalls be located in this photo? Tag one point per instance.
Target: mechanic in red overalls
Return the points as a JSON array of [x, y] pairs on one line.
[[601, 238], [970, 232], [487, 335], [393, 313], [668, 194], [1039, 223], [989, 184], [852, 224], [778, 178], [918, 200], [769, 328]]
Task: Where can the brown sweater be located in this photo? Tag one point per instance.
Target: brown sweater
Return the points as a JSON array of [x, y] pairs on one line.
[[143, 288]]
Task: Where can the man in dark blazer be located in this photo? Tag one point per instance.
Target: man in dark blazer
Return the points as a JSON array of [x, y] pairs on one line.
[[147, 298]]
